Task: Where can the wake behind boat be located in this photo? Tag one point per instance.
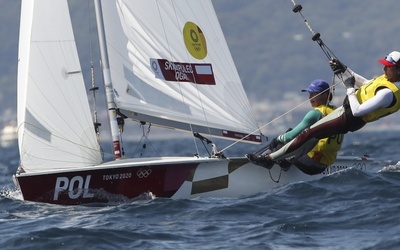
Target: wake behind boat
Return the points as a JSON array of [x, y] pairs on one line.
[[164, 63]]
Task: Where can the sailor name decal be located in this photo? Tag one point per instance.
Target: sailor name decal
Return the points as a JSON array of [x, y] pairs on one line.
[[199, 73]]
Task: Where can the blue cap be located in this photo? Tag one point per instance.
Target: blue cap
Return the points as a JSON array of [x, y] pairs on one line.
[[317, 86]]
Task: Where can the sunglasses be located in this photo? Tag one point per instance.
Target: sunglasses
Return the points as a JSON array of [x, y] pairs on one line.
[[390, 59]]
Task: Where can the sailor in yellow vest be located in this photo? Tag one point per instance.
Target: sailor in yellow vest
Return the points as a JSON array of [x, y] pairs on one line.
[[324, 153], [372, 100]]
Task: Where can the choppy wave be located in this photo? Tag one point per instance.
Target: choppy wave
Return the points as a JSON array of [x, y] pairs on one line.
[[350, 209]]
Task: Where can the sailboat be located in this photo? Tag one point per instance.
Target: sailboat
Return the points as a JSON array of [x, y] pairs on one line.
[[164, 63]]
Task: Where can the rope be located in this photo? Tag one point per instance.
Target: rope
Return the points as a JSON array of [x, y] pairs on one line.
[[328, 53], [272, 178], [144, 139], [275, 119]]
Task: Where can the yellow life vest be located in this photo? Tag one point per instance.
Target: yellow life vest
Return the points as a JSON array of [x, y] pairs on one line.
[[326, 149], [369, 90]]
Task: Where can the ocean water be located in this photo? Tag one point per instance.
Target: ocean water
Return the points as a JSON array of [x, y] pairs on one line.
[[347, 210]]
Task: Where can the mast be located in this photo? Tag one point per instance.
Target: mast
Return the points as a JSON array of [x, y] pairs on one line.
[[112, 112]]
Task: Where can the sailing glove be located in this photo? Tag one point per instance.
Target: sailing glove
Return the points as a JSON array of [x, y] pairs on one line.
[[349, 82], [336, 66]]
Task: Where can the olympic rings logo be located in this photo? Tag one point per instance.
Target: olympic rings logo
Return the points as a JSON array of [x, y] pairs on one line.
[[143, 173]]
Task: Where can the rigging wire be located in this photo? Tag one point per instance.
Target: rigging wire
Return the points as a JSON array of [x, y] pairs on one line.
[[93, 88], [273, 120], [297, 8], [315, 35], [144, 139], [181, 91], [328, 53]]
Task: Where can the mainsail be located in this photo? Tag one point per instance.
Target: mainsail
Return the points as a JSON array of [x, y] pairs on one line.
[[171, 66], [55, 128]]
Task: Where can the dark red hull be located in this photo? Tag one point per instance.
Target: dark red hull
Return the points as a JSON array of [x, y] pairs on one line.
[[104, 184]]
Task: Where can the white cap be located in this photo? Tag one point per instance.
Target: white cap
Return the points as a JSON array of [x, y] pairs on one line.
[[391, 60]]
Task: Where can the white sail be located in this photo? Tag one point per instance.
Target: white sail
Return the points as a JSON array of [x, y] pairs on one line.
[[55, 128], [171, 66]]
